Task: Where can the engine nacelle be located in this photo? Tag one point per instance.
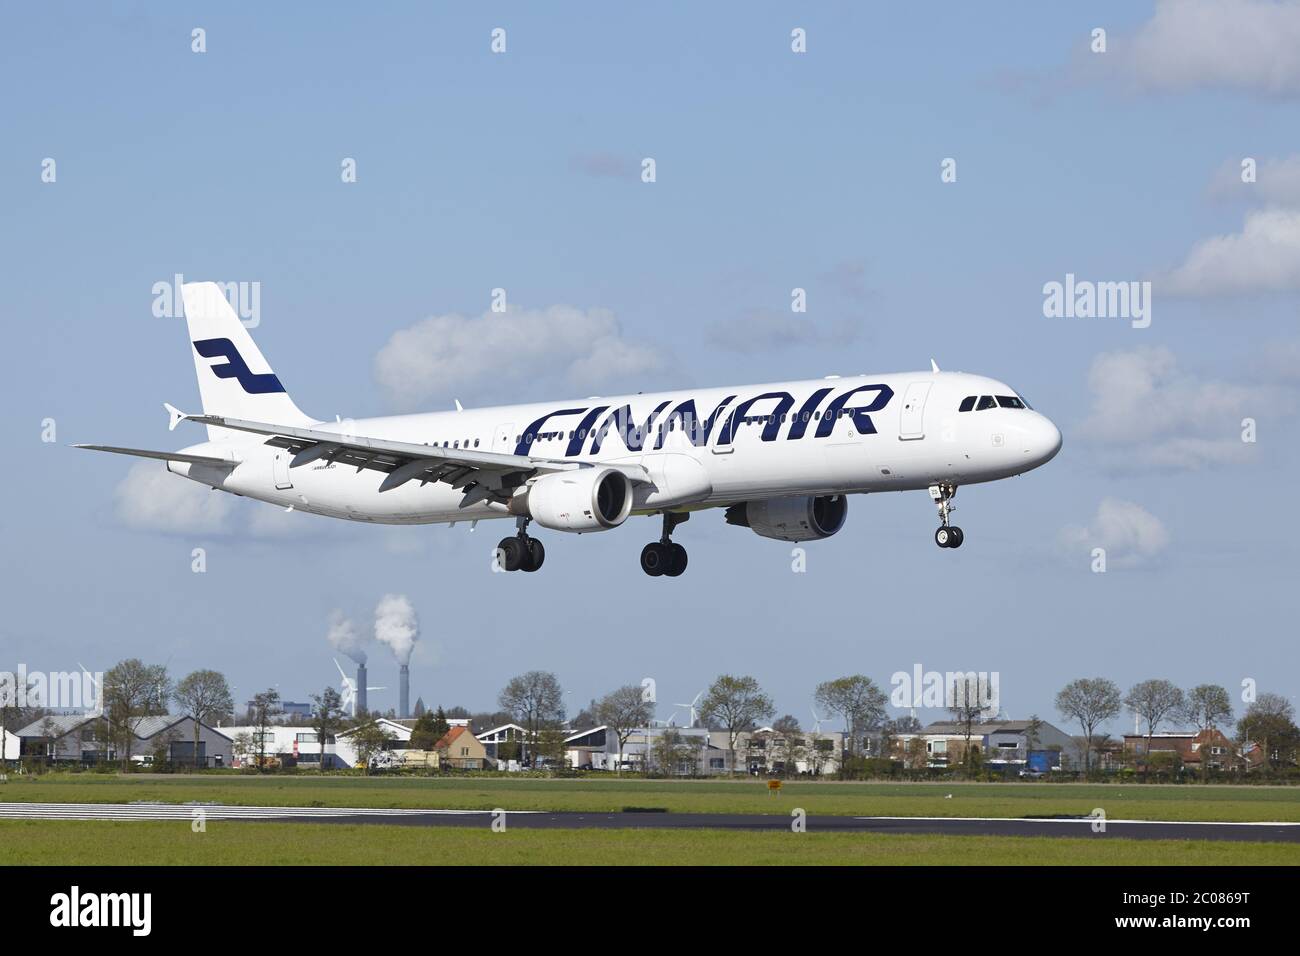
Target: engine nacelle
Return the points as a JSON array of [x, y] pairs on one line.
[[803, 518], [582, 500]]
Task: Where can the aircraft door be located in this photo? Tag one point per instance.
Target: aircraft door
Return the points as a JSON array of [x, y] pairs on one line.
[[911, 423]]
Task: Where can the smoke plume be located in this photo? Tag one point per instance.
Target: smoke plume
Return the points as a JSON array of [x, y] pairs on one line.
[[397, 626], [346, 638]]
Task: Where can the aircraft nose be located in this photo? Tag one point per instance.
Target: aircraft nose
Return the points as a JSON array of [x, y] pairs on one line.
[[1044, 440]]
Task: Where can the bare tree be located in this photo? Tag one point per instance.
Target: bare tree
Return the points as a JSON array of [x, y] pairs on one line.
[[623, 711], [857, 700], [1154, 700], [535, 700], [204, 695], [133, 691], [967, 710], [1270, 722], [1091, 701], [737, 704]]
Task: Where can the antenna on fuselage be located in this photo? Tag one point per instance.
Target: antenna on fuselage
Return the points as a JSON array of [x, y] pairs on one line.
[[934, 366]]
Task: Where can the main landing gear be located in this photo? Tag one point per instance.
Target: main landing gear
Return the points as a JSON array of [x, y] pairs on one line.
[[664, 557], [947, 536], [521, 553]]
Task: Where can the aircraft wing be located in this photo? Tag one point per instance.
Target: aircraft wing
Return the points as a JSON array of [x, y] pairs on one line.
[[162, 455], [482, 475]]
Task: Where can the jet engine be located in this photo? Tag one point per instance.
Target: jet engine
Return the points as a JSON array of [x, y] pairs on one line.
[[801, 518], [582, 500]]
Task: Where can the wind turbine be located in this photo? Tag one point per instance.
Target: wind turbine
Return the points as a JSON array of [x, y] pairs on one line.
[[695, 717], [817, 721], [349, 695]]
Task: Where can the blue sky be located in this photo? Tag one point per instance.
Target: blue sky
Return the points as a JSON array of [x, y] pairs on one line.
[[774, 170]]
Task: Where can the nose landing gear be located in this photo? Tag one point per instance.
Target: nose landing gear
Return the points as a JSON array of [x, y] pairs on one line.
[[665, 557], [521, 553], [947, 536]]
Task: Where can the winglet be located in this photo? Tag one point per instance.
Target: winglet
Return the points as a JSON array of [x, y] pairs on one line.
[[174, 416], [934, 366], [459, 407]]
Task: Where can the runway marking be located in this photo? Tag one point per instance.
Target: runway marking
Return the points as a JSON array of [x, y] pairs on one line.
[[1108, 820], [185, 811]]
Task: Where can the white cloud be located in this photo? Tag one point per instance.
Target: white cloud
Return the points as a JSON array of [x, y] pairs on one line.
[[1250, 45], [153, 499], [1148, 414], [1128, 532], [1263, 257], [453, 356], [1276, 181]]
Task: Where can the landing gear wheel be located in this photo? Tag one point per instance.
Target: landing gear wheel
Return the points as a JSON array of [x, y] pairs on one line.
[[957, 537], [655, 559], [676, 560], [536, 554], [944, 537], [510, 553]]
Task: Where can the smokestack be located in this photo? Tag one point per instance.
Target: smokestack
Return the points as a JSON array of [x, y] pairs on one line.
[[361, 706], [404, 691]]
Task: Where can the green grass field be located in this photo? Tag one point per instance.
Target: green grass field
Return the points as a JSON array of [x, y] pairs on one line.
[[1120, 801], [24, 842]]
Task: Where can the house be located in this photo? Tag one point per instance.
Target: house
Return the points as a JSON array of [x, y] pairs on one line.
[[68, 738], [285, 745], [506, 742], [461, 750], [86, 738], [172, 737], [1003, 744], [596, 748], [804, 752], [1195, 748]]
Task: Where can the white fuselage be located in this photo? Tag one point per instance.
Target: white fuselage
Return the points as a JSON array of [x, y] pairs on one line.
[[732, 444]]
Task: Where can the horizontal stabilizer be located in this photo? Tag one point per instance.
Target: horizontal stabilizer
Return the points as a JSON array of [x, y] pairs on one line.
[[162, 455]]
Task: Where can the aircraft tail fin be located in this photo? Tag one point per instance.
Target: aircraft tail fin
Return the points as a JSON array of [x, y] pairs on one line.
[[235, 380]]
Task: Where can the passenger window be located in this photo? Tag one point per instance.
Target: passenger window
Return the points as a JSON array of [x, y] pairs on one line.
[[967, 404], [986, 401]]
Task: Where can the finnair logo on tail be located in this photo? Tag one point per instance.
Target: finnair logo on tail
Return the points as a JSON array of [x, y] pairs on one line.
[[236, 368]]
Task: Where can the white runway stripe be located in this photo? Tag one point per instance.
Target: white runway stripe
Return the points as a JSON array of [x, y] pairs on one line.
[[152, 811], [1180, 823]]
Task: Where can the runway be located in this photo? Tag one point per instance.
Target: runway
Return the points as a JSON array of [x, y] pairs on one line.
[[523, 819]]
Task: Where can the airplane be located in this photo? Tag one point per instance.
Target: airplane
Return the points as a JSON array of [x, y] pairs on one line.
[[780, 459]]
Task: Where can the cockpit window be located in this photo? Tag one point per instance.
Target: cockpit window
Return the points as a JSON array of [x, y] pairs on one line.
[[967, 404], [1010, 401], [986, 401]]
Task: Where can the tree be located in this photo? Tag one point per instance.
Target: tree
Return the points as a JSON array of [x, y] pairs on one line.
[[675, 754], [736, 704], [430, 727], [535, 701], [790, 742], [623, 711], [1092, 701], [133, 691], [369, 740], [205, 696], [1207, 706], [264, 707], [1270, 722], [326, 718], [857, 700], [1154, 700], [967, 711]]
